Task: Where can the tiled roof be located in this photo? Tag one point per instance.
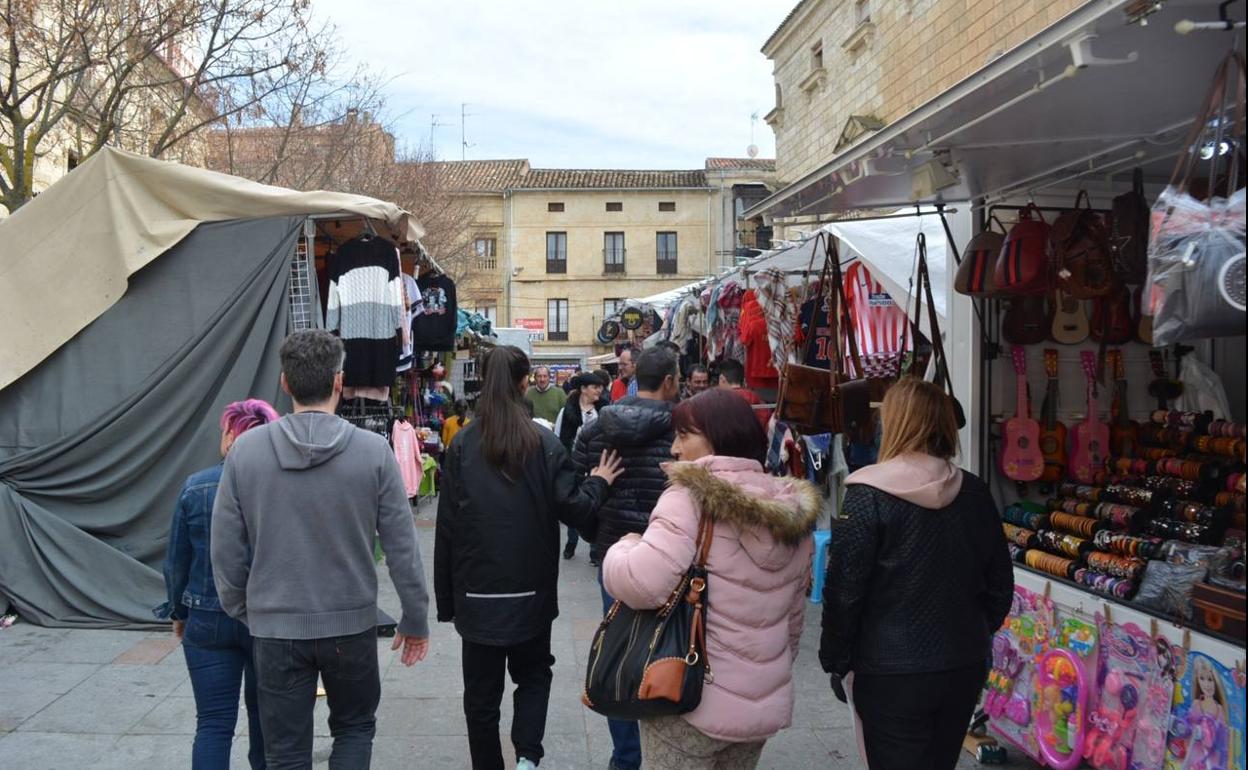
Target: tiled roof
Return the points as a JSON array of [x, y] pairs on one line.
[[736, 164], [609, 179], [482, 175], [784, 23]]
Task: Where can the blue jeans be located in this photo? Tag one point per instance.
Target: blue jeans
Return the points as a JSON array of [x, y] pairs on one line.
[[625, 736], [218, 657]]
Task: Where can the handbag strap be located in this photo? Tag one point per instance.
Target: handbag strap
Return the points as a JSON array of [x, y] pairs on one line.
[[844, 337], [1231, 66], [702, 546], [924, 289]]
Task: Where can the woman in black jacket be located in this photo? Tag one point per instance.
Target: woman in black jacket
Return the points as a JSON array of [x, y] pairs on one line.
[[507, 483], [918, 581], [584, 402]]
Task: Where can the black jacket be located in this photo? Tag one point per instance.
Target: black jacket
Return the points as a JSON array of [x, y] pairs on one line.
[[572, 417], [496, 550], [914, 590], [640, 429]]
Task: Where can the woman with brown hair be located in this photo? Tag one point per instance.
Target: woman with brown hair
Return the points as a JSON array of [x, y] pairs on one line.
[[918, 581]]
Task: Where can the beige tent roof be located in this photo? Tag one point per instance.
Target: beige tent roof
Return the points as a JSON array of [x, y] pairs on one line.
[[66, 256]]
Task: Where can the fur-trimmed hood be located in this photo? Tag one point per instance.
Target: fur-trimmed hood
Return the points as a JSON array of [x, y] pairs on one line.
[[737, 491]]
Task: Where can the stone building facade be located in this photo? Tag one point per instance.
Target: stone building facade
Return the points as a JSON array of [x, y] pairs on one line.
[[846, 68]]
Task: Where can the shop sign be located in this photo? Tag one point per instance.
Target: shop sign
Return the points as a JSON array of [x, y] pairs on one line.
[[632, 319]]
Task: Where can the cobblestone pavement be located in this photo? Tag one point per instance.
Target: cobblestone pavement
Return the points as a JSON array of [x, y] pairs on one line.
[[122, 699]]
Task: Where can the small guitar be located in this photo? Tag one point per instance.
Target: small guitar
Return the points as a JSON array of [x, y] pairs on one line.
[[1022, 460], [1052, 432], [1091, 442], [1070, 321], [1026, 321], [1143, 323], [1124, 433], [1111, 318]]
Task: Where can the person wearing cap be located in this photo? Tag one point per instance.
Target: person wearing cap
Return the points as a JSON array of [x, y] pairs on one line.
[[581, 408]]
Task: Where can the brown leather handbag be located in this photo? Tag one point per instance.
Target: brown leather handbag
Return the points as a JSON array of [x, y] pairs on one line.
[[652, 663], [828, 400], [975, 275], [1085, 264]]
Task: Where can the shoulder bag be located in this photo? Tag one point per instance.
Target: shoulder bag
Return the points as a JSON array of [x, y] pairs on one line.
[[917, 363], [652, 663]]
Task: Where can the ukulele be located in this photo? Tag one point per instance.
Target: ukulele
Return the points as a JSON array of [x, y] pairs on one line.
[[1111, 318], [1070, 321], [1052, 432], [1091, 442], [1124, 433], [1026, 321], [1022, 460], [1143, 323]]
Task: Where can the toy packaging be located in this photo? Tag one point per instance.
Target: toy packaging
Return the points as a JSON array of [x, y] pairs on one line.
[[1015, 648], [1207, 723], [1125, 673], [1149, 747], [1062, 687]]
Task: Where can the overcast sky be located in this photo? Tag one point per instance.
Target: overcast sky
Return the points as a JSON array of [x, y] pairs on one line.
[[572, 84]]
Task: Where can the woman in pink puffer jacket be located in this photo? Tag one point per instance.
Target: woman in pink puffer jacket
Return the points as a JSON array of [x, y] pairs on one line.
[[759, 570]]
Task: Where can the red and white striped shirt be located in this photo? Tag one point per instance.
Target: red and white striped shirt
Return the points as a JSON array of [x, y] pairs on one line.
[[880, 325]]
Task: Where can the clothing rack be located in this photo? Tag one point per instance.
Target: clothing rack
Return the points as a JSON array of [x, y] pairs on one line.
[[373, 416]]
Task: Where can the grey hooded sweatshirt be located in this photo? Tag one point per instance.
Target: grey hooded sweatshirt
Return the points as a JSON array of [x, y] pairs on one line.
[[292, 531]]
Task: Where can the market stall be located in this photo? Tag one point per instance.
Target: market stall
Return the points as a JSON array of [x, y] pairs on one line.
[[140, 297], [1125, 647]]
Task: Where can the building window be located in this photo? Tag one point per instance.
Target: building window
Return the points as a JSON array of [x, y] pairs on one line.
[[665, 250], [556, 252], [488, 312], [862, 12], [486, 252], [554, 206], [667, 205], [615, 206], [779, 97], [816, 56], [613, 252], [612, 306], [557, 320]]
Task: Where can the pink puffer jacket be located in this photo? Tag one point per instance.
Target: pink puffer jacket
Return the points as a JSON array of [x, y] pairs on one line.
[[759, 566]]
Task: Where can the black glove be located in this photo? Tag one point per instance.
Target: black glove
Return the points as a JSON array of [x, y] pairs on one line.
[[838, 689]]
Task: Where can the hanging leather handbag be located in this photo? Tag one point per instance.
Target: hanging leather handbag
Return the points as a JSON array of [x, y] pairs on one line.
[[652, 663], [1129, 238], [1081, 249], [1023, 266], [804, 399], [975, 275], [917, 364]]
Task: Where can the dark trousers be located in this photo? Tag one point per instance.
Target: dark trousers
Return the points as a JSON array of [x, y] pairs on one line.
[[573, 537], [625, 735], [286, 671], [484, 666], [916, 721], [218, 657]]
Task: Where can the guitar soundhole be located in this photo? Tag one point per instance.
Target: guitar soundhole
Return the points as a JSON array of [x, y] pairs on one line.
[[1094, 448], [1048, 445], [1023, 442]]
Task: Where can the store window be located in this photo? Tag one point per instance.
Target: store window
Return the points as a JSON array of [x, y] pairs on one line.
[[667, 205], [486, 251], [612, 306], [665, 254], [556, 252], [554, 206], [487, 311], [615, 206], [613, 252], [557, 320]]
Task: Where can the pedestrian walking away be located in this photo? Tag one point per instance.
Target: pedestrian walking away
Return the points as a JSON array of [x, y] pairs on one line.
[[758, 567], [217, 647], [300, 503], [507, 484], [640, 429], [918, 581], [584, 402]]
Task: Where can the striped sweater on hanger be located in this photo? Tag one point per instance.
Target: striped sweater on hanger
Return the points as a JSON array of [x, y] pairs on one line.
[[365, 308]]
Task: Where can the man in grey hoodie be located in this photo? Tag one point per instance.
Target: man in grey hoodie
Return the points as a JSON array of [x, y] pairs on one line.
[[299, 502]]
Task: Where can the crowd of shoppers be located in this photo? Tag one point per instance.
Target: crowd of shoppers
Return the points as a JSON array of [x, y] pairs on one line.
[[272, 581]]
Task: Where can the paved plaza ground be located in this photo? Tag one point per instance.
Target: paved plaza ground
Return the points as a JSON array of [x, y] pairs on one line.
[[122, 699]]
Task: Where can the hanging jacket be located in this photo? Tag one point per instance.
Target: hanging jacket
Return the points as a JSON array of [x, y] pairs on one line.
[[640, 429], [752, 331], [497, 544], [759, 568], [919, 577], [407, 453]]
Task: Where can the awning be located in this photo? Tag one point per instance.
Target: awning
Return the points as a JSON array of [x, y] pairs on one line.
[[1093, 94]]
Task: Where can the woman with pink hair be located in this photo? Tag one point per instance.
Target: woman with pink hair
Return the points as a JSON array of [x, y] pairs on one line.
[[217, 647]]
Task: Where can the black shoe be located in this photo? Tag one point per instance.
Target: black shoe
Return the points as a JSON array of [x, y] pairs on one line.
[[569, 550], [594, 562]]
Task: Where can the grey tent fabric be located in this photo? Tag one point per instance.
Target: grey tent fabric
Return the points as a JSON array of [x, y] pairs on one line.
[[96, 441]]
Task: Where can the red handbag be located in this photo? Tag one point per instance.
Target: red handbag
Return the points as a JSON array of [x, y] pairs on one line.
[[1023, 266]]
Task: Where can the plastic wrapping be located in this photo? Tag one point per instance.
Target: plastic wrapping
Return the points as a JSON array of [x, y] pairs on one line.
[[1196, 267], [1167, 588]]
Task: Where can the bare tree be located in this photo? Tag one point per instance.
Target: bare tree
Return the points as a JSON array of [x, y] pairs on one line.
[[152, 75]]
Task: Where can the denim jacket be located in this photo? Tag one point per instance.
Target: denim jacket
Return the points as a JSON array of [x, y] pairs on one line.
[[188, 570]]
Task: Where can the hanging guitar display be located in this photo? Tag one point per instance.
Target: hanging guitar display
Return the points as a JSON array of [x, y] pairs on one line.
[[1124, 433], [1026, 321], [1070, 321], [1111, 318], [1143, 323], [1022, 459], [1091, 441], [1163, 387], [1052, 432]]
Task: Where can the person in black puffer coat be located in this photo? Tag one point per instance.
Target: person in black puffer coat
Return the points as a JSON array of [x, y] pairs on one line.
[[639, 428], [918, 581]]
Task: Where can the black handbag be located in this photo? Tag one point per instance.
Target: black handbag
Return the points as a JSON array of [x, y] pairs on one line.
[[652, 663]]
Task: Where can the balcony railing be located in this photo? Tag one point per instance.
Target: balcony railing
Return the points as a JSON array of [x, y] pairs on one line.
[[557, 336], [666, 265], [613, 260], [556, 265]]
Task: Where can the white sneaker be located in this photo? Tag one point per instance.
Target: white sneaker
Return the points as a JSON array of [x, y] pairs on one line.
[[524, 763]]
